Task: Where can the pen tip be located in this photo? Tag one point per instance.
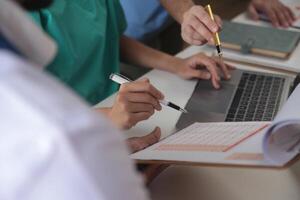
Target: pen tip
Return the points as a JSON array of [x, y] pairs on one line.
[[184, 110]]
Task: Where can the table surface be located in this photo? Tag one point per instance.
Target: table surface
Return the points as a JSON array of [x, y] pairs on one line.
[[195, 182]]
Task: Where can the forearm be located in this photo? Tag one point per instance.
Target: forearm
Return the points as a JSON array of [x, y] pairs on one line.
[[177, 8], [139, 54]]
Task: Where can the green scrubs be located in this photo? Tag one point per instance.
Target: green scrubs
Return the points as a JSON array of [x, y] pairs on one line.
[[87, 33]]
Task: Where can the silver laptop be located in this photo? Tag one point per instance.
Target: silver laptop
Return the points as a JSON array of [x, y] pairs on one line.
[[248, 96]]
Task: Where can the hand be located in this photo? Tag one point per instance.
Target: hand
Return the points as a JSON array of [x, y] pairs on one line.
[[203, 67], [139, 143], [197, 27], [136, 101], [279, 14]]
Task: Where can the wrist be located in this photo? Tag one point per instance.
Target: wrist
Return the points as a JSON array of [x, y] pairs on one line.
[[171, 64], [176, 64]]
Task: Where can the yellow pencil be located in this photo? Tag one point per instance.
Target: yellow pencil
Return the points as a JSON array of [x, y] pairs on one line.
[[216, 35]]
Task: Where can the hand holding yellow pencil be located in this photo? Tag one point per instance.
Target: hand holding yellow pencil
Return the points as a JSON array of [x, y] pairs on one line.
[[216, 35]]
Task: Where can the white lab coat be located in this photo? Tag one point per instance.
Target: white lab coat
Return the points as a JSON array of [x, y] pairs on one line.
[[53, 146], [17, 26]]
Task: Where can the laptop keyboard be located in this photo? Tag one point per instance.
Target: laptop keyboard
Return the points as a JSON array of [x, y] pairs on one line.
[[257, 98]]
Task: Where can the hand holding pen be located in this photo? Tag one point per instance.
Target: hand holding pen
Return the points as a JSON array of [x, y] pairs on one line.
[[135, 102], [120, 79], [215, 35]]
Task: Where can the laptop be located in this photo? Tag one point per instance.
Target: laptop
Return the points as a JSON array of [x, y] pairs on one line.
[[248, 96]]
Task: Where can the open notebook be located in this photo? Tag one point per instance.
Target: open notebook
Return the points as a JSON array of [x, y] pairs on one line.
[[263, 144]]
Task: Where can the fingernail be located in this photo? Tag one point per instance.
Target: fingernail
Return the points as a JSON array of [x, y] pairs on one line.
[[229, 76]]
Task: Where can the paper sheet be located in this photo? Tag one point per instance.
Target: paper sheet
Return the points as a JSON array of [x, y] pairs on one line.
[[281, 142], [214, 137]]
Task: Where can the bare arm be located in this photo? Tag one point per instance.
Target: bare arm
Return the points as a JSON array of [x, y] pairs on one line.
[[198, 66], [139, 54]]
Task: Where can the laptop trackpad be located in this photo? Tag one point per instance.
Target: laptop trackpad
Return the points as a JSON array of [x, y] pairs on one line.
[[207, 104], [206, 98]]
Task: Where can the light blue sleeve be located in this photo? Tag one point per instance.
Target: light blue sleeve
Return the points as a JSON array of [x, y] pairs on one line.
[[145, 19]]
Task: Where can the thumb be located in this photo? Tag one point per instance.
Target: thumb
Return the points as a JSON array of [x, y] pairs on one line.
[[252, 12], [145, 80], [139, 143], [151, 138]]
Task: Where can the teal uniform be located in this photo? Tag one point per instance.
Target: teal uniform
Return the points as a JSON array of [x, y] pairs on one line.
[[87, 33]]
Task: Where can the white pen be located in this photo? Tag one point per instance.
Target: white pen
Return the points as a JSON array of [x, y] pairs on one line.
[[120, 79]]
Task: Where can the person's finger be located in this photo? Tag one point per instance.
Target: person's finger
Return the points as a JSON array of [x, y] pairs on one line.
[[288, 15], [141, 116], [273, 18], [204, 18], [212, 68], [140, 107], [191, 41], [144, 98], [223, 67], [132, 119], [139, 143], [291, 13], [194, 36], [142, 86], [253, 12], [219, 22], [151, 138], [282, 19], [200, 28], [200, 74]]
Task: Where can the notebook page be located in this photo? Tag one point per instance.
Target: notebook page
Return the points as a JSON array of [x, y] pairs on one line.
[[216, 137], [237, 143]]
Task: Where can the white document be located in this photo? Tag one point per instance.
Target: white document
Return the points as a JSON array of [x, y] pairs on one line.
[[234, 143], [282, 140], [210, 137]]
